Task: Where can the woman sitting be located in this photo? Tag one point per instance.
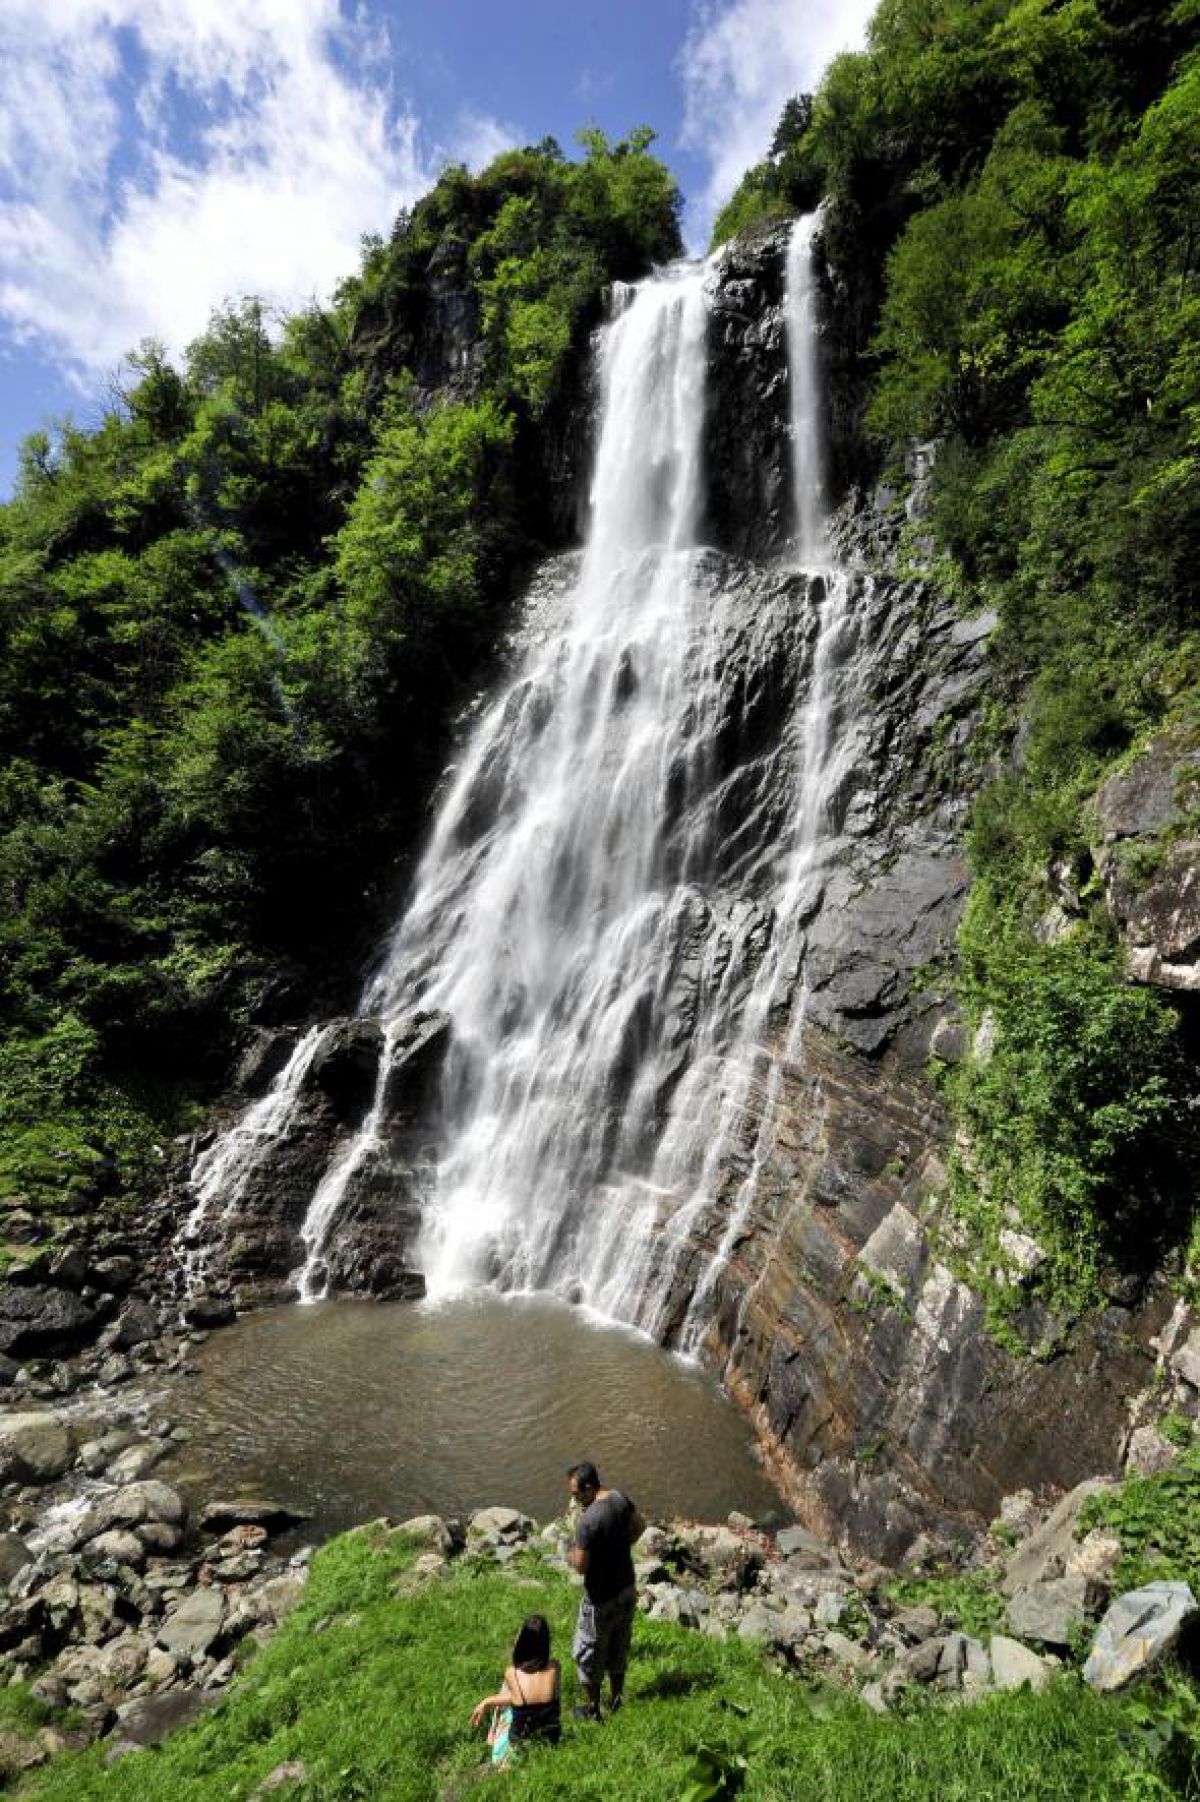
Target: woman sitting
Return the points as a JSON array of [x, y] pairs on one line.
[[527, 1707]]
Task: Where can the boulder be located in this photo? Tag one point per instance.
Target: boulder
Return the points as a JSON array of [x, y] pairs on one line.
[[147, 1720], [114, 1275], [279, 1595], [95, 1455], [1014, 1665], [432, 1532], [505, 1526], [718, 1552], [914, 1625], [194, 1627], [758, 1625], [206, 1311], [804, 1547], [69, 1270], [1045, 1553], [345, 1067], [1051, 1613], [1095, 1557], [950, 1661], [137, 1461], [44, 1320], [138, 1325], [1150, 1452], [1139, 1629], [1186, 1361], [35, 1448], [138, 1505], [123, 1547], [14, 1556], [251, 1511], [847, 1651]]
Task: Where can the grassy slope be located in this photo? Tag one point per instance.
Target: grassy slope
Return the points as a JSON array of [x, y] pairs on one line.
[[376, 1706]]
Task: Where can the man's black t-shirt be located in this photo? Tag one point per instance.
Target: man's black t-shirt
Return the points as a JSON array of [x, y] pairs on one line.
[[603, 1533]]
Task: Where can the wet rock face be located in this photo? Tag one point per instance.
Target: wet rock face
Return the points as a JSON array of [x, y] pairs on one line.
[[258, 1249], [746, 439]]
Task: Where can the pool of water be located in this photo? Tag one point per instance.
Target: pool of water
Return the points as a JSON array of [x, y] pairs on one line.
[[353, 1410]]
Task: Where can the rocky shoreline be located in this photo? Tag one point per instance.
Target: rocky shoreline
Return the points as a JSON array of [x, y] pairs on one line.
[[127, 1608]]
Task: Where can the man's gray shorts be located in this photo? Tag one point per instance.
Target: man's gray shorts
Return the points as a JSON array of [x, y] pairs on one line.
[[602, 1639]]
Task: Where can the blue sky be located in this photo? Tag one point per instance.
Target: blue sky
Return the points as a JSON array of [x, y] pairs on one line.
[[160, 156]]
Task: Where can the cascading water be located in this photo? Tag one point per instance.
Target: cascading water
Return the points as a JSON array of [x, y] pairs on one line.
[[564, 890], [221, 1172], [567, 900]]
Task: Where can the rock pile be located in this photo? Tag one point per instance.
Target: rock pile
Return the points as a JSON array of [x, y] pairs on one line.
[[115, 1609], [816, 1615]]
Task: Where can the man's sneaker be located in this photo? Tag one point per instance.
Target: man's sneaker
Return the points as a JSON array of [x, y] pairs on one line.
[[583, 1711], [614, 1705]]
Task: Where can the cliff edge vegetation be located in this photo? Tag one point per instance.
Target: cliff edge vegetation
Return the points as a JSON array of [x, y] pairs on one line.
[[235, 617]]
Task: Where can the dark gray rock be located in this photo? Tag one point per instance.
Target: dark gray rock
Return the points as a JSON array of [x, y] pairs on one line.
[[147, 1720], [44, 1320], [114, 1275], [138, 1325], [208, 1311], [251, 1511]]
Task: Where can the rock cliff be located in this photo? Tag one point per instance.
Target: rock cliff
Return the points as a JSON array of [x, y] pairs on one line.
[[838, 1318]]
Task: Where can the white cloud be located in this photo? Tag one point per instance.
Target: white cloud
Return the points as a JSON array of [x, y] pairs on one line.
[[742, 60], [262, 141]]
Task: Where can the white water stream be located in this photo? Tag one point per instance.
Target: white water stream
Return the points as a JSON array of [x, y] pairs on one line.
[[567, 872]]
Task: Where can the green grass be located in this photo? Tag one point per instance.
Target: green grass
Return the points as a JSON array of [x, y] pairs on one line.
[[375, 1704]]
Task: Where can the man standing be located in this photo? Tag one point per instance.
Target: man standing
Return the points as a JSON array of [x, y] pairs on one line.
[[607, 1528]]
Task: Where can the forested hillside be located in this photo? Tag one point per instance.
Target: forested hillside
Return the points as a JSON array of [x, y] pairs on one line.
[[1013, 224], [234, 619]]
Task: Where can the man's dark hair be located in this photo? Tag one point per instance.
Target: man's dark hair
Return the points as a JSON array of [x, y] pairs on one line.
[[586, 1475]]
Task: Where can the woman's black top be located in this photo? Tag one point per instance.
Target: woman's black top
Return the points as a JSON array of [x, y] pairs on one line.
[[536, 1720]]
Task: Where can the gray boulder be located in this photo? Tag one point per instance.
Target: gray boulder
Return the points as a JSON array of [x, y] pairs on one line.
[[505, 1526], [195, 1626], [1046, 1552], [138, 1325], [14, 1556], [35, 1448], [1014, 1665], [138, 1506], [1139, 1629], [804, 1547], [252, 1511], [1051, 1613], [431, 1531]]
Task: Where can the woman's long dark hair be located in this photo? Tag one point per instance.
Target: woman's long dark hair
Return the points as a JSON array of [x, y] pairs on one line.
[[532, 1650]]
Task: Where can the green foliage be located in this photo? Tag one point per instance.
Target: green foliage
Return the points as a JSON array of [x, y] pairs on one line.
[[970, 1602], [1068, 1115], [1157, 1520], [375, 1704], [234, 619]]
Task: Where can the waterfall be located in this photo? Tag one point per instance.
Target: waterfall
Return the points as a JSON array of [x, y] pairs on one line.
[[808, 438], [223, 1169], [565, 891], [610, 1012]]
